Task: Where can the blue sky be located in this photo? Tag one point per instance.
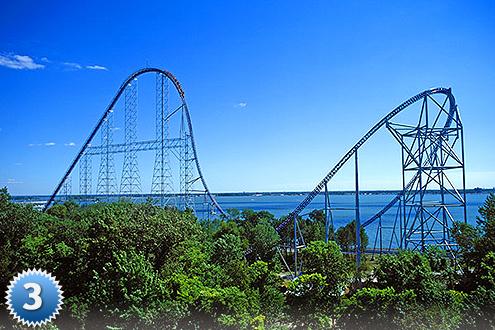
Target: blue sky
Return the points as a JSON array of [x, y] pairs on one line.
[[278, 90]]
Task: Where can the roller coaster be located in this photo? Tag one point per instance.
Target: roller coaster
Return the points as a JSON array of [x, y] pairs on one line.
[[432, 148], [432, 157], [173, 144]]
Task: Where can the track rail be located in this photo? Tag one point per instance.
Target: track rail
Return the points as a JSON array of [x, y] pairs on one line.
[[321, 185], [109, 108]]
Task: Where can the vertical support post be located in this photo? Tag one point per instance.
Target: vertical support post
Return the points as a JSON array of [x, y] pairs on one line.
[[183, 162], [186, 163], [327, 224], [295, 247], [402, 222], [421, 188], [162, 184], [85, 174], [358, 220], [445, 229], [463, 169], [381, 234], [106, 177], [422, 150], [130, 182], [67, 188]]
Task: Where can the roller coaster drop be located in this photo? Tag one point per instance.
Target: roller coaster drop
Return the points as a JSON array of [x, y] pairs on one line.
[[183, 147], [432, 149]]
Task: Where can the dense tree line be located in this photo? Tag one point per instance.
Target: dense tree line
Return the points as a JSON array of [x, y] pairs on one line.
[[125, 265]]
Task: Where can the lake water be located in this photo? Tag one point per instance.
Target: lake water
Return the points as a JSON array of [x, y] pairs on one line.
[[370, 204], [282, 204], [343, 209], [342, 206]]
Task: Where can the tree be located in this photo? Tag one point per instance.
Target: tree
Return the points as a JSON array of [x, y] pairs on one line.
[[371, 308], [442, 266], [346, 237], [314, 227], [476, 244], [410, 270], [263, 241], [327, 259], [308, 297]]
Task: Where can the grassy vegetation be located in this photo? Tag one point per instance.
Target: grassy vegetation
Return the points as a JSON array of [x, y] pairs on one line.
[[125, 265]]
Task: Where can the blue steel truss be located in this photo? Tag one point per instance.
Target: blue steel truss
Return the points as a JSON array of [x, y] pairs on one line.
[[130, 183], [183, 148], [430, 151]]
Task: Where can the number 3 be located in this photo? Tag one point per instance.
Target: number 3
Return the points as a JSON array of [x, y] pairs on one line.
[[35, 295]]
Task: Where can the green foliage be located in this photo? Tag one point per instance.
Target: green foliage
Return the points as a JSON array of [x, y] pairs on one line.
[[480, 309], [486, 221], [314, 294], [371, 308], [346, 237], [477, 245], [327, 260], [267, 284], [442, 266], [263, 240], [410, 270], [314, 227], [135, 294], [308, 296], [125, 265]]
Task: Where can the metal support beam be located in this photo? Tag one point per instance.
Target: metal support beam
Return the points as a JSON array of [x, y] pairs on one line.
[[106, 177], [130, 183], [358, 217], [162, 184], [296, 265], [186, 164], [85, 175], [327, 225], [106, 183], [67, 188]]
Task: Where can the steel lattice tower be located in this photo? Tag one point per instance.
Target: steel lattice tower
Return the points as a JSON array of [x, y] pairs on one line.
[[106, 176], [131, 182], [430, 153], [162, 184], [173, 146], [186, 160], [67, 188], [85, 174]]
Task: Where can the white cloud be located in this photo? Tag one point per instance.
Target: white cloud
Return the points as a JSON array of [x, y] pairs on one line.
[[96, 67], [34, 145], [241, 105], [50, 144], [70, 144], [13, 181], [72, 65], [24, 62], [18, 164], [19, 62]]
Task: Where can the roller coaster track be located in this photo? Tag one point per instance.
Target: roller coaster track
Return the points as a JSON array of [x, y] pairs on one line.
[[109, 109], [321, 185]]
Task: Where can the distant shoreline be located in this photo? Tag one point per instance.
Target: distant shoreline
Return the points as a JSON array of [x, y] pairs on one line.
[[275, 193]]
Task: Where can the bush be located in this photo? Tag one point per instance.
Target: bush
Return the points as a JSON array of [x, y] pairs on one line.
[[371, 308], [139, 266]]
